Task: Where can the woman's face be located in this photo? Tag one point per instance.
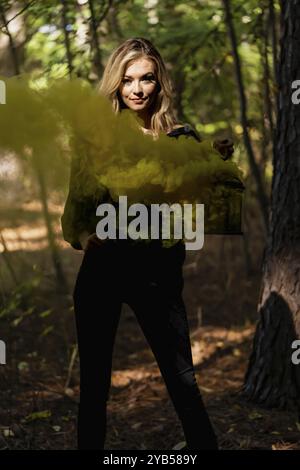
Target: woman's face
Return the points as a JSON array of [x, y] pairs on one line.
[[139, 85]]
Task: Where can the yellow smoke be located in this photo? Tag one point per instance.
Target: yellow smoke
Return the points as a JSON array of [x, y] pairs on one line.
[[110, 149]]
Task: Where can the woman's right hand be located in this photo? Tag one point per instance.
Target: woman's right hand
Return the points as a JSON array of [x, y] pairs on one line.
[[224, 147], [86, 238]]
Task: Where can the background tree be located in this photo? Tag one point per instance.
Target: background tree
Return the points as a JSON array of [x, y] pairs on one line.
[[272, 378]]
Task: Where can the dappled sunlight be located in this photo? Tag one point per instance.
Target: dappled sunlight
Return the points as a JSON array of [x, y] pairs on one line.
[[25, 238], [19, 234], [28, 238]]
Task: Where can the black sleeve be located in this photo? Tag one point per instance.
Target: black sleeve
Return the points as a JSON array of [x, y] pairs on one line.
[[80, 209], [186, 130]]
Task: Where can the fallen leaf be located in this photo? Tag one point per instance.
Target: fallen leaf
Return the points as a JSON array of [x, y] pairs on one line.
[[38, 415], [255, 415], [179, 445], [136, 425]]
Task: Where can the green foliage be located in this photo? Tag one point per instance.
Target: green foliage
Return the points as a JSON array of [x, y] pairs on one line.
[[18, 304], [191, 36]]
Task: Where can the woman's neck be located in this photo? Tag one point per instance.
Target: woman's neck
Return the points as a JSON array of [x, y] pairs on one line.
[[145, 120]]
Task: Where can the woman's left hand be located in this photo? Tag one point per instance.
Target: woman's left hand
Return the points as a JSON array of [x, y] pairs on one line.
[[225, 147]]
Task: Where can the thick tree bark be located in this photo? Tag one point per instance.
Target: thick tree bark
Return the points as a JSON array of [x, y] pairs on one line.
[[272, 379]]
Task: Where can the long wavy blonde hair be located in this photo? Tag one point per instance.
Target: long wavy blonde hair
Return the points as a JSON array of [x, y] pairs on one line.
[[163, 116]]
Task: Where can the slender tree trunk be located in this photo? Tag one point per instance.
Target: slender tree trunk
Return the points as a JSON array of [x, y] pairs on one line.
[[7, 261], [246, 246], [264, 141], [114, 24], [179, 82], [272, 379], [60, 277], [95, 41], [267, 78], [12, 46], [261, 193], [268, 127], [273, 26], [66, 32]]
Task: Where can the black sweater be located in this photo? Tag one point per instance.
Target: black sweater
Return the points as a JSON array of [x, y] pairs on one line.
[[80, 213]]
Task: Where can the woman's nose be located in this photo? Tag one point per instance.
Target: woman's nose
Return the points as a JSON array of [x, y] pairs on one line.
[[137, 88]]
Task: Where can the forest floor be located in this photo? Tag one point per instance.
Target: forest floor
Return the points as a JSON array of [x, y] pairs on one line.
[[40, 383]]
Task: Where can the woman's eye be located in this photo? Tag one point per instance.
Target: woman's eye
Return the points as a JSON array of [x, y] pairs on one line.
[[146, 79]]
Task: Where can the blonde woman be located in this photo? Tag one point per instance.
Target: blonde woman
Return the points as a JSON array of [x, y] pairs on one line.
[[147, 276]]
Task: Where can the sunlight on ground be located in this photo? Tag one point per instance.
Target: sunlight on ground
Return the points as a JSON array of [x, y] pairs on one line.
[[32, 236], [28, 238], [213, 340]]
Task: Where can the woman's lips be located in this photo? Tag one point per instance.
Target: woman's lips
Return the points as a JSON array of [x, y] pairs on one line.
[[138, 101]]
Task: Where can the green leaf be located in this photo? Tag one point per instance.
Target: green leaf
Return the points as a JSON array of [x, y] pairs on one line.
[[38, 415], [46, 313]]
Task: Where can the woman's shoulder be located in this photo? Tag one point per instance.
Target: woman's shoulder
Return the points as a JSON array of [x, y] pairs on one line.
[[184, 129]]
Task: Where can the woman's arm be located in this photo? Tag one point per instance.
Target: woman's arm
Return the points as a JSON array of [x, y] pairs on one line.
[[224, 147], [79, 218], [73, 220], [83, 238], [86, 238]]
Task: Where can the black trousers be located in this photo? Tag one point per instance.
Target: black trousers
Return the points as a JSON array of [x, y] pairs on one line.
[[150, 281]]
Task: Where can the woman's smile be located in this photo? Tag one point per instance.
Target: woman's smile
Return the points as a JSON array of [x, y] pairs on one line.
[[138, 100]]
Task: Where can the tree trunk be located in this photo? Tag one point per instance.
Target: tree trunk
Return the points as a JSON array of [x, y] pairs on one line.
[[114, 25], [66, 33], [267, 114], [273, 25], [179, 81], [12, 47], [95, 41], [261, 193], [266, 79], [272, 379], [60, 276]]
